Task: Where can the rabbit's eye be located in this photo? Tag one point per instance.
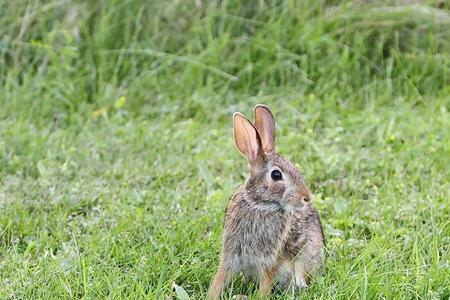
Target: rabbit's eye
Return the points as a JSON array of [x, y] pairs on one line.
[[276, 175]]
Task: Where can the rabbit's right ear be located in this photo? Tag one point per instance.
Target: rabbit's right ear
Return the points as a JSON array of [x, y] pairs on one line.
[[265, 125], [246, 138]]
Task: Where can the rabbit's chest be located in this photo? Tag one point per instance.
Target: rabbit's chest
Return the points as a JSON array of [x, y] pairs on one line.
[[256, 238]]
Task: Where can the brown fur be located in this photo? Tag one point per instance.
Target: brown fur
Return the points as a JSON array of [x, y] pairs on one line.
[[271, 229]]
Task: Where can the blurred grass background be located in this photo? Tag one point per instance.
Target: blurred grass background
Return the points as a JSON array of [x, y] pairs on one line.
[[116, 152]]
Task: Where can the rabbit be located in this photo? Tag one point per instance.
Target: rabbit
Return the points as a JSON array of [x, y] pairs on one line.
[[271, 231]]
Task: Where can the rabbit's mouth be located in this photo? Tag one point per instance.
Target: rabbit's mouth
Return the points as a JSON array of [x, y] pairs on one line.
[[271, 205], [286, 206], [276, 206], [287, 203], [292, 208]]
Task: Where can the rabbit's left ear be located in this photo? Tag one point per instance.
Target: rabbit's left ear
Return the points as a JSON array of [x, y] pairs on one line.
[[246, 138], [265, 124]]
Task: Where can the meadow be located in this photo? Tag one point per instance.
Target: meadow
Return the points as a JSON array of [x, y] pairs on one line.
[[116, 150]]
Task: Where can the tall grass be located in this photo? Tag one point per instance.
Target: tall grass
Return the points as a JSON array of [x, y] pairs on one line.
[[69, 53]]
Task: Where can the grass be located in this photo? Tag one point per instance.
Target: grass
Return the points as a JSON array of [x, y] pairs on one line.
[[116, 157]]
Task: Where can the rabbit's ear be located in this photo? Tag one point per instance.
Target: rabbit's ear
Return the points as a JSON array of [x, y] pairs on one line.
[[246, 138], [265, 125]]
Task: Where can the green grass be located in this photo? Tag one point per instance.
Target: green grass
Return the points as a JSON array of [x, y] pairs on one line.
[[116, 156]]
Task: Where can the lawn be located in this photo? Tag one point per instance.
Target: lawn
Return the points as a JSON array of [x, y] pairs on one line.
[[116, 150]]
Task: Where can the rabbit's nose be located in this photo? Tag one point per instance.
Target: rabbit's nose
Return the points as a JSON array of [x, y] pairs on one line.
[[305, 195], [306, 198]]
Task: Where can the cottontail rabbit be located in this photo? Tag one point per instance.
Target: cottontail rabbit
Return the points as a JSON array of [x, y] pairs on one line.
[[271, 229]]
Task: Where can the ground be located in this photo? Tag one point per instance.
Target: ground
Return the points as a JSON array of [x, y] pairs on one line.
[[116, 150]]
